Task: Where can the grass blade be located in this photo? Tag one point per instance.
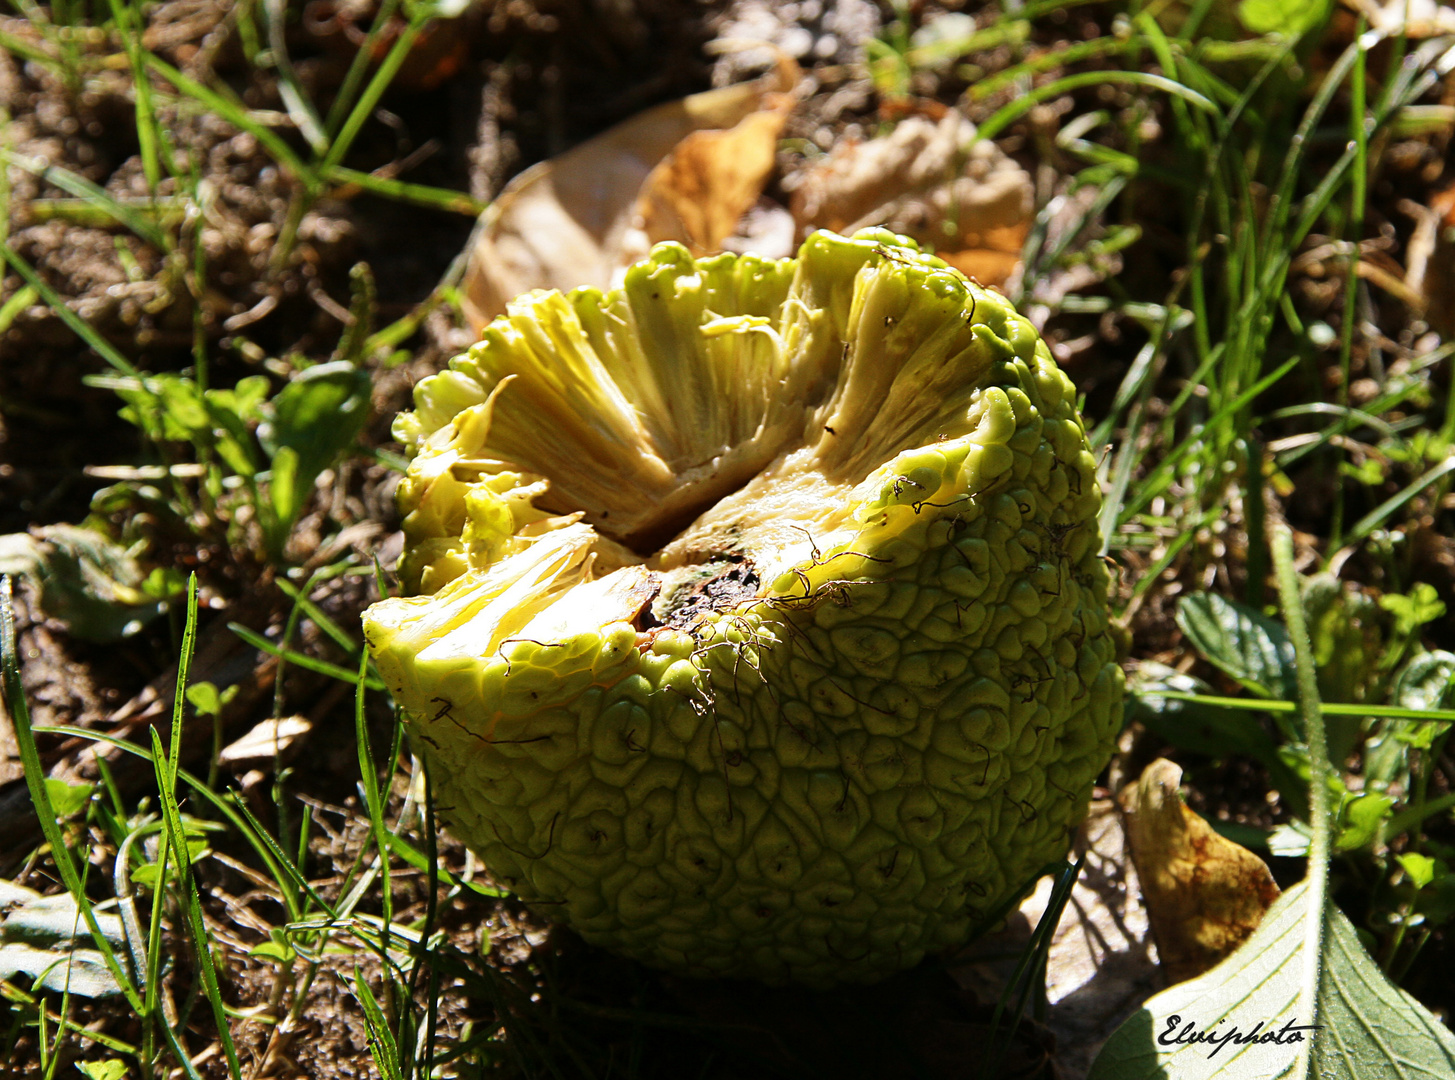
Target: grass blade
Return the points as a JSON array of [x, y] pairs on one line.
[[381, 1040], [323, 667], [93, 195], [166, 769]]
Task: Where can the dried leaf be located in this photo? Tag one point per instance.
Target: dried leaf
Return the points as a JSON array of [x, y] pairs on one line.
[[566, 222], [701, 190], [268, 739], [933, 181], [79, 971], [1205, 894]]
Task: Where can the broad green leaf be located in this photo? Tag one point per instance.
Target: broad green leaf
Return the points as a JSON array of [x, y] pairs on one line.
[[103, 1070], [318, 415], [1245, 643], [315, 418], [1422, 605], [146, 874], [1360, 818], [68, 800], [1426, 682], [1346, 629], [284, 500], [1291, 18], [1241, 1018], [203, 697], [1420, 868], [276, 948]]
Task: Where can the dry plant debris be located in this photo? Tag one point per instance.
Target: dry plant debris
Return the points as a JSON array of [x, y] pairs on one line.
[[686, 171], [1205, 895], [961, 198]]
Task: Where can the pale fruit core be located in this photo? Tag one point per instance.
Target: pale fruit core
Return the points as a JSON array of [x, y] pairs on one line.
[[687, 462]]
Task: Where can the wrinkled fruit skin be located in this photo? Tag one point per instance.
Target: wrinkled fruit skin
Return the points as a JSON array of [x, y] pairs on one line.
[[857, 766]]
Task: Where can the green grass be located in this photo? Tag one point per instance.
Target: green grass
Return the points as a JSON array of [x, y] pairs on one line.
[[1271, 152]]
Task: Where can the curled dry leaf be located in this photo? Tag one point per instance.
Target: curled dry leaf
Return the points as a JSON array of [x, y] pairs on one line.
[[962, 198], [687, 171], [1205, 894], [700, 191]]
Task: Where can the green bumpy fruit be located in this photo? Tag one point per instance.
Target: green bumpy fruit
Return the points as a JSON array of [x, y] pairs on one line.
[[762, 629]]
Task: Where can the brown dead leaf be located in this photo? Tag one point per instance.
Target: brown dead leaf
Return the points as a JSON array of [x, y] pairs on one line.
[[964, 199], [686, 170], [702, 189], [1204, 893]]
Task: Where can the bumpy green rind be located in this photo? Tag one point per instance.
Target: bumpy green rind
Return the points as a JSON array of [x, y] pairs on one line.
[[832, 780]]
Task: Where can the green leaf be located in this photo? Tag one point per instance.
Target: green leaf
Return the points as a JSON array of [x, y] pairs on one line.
[[68, 800], [1291, 18], [103, 1070], [315, 418], [1420, 606], [1360, 819], [318, 415], [1420, 868], [146, 874], [1426, 682], [203, 697], [286, 495], [276, 948], [1363, 1027], [1245, 643]]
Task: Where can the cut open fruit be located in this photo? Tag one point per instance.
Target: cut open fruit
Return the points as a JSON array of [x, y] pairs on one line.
[[761, 627]]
